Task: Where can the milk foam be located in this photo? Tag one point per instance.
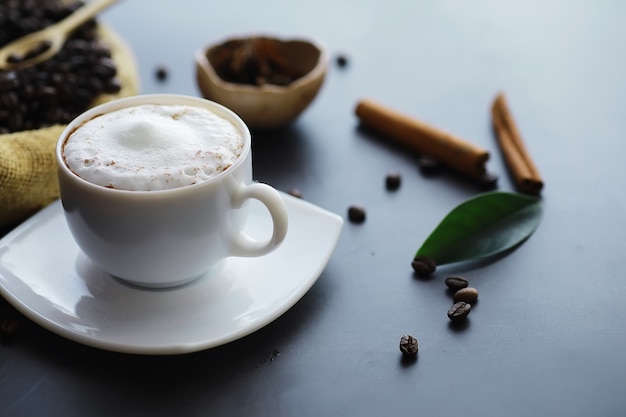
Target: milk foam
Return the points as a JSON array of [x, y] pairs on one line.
[[153, 147]]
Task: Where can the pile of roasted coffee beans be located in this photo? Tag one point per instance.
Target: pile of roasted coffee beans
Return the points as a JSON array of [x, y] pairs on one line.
[[57, 90], [464, 297]]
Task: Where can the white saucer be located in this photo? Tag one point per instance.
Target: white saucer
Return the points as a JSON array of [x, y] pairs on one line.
[[44, 275]]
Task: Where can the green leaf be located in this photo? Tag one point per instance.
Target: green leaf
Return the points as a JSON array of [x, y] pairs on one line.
[[482, 226]]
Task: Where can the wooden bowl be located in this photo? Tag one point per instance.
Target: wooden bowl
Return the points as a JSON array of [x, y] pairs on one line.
[[234, 72]]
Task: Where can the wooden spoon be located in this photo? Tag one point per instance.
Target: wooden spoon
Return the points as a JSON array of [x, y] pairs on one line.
[[45, 43]]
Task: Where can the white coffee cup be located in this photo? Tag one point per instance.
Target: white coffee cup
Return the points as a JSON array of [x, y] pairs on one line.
[[167, 237]]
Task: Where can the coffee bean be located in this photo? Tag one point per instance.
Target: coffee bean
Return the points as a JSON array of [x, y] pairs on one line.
[[105, 68], [45, 91], [342, 60], [295, 192], [459, 311], [489, 180], [468, 295], [15, 122], [53, 115], [8, 327], [113, 86], [408, 345], [38, 49], [161, 73], [423, 265], [95, 84], [393, 181], [79, 45], [9, 80], [14, 58], [9, 100], [428, 165], [356, 214], [455, 283]]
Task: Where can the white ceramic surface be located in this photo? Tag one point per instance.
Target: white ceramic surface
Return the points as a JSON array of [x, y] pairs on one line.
[[163, 238], [45, 276]]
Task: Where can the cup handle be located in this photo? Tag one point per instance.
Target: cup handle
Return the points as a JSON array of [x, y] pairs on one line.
[[242, 243]]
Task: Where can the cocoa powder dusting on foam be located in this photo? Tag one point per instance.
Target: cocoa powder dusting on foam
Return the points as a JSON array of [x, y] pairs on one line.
[[108, 168]]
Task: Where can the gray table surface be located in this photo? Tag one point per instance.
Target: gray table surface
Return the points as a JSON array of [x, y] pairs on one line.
[[547, 337]]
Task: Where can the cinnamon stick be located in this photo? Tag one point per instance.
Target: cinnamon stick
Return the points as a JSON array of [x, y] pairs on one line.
[[525, 173], [424, 139]]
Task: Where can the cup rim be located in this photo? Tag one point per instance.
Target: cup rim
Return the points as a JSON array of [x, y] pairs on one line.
[[136, 100]]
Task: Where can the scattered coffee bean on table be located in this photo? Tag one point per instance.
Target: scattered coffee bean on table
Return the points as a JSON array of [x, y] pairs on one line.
[[423, 265], [295, 193], [342, 60], [489, 180], [468, 294], [161, 73], [428, 165], [356, 214], [408, 345], [459, 311], [456, 282], [8, 327], [393, 181]]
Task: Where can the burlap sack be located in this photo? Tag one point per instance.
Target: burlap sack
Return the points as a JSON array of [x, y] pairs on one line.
[[28, 178]]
